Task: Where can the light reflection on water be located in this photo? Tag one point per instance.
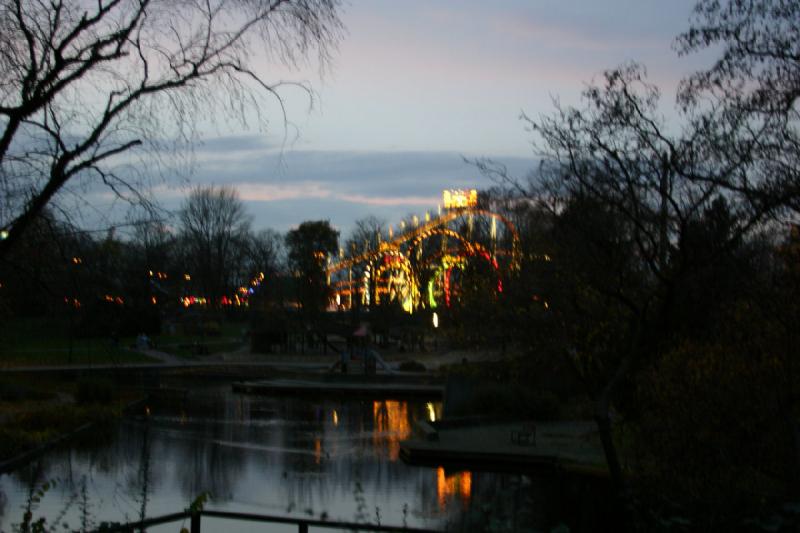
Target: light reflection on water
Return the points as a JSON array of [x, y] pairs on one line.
[[337, 459], [448, 487], [391, 425]]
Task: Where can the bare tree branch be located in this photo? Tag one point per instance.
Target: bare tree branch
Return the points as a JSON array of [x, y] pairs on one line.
[[90, 84]]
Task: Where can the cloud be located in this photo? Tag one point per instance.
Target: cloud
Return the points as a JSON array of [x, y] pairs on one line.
[[378, 201], [282, 189], [343, 186], [370, 177], [232, 143], [254, 192]]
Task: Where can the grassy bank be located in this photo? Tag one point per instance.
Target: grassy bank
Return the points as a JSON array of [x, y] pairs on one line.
[[224, 337], [43, 342], [33, 413]]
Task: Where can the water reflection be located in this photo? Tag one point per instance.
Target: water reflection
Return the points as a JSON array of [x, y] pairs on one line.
[[336, 459], [452, 487], [391, 425], [332, 458]]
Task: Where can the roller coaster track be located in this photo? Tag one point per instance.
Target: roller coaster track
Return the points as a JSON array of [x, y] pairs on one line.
[[427, 229], [396, 263]]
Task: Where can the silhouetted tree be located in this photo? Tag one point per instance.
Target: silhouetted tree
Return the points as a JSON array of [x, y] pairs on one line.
[[213, 235], [627, 200], [367, 234], [264, 253], [309, 246], [745, 103], [85, 83], [36, 276]]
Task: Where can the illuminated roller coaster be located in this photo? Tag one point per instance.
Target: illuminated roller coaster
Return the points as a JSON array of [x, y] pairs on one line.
[[424, 266]]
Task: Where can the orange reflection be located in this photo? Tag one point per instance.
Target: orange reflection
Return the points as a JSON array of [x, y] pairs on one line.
[[447, 487], [391, 426], [317, 450], [465, 486]]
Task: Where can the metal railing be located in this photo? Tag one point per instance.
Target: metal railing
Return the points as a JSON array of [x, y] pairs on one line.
[[302, 523]]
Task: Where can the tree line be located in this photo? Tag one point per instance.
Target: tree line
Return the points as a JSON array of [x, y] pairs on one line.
[[671, 295]]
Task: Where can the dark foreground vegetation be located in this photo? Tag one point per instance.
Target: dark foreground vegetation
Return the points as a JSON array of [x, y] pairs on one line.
[[38, 411], [669, 270]]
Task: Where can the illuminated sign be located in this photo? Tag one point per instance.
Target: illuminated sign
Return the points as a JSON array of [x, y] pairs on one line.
[[459, 198]]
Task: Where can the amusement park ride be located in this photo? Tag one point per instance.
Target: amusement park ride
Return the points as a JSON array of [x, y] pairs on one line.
[[423, 266]]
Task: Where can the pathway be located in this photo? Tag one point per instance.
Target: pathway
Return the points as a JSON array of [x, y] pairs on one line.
[[573, 445]]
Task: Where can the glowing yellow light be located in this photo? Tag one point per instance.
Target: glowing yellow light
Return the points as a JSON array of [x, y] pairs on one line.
[[431, 412], [187, 277], [435, 321], [153, 299], [335, 418], [150, 272], [459, 198]]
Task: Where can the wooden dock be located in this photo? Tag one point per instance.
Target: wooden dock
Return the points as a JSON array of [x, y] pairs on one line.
[[368, 388], [571, 446]]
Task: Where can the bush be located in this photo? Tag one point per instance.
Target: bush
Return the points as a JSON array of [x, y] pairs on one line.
[[13, 441], [540, 404], [94, 392], [411, 366], [196, 325], [212, 328], [11, 392], [269, 330], [510, 400], [711, 438], [39, 424]]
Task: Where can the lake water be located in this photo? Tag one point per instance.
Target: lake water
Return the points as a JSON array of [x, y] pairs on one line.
[[329, 458]]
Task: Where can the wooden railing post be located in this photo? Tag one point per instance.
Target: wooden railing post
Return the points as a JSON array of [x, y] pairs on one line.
[[303, 524], [195, 528]]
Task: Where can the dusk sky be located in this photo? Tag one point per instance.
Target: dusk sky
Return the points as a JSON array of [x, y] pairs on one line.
[[416, 85]]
